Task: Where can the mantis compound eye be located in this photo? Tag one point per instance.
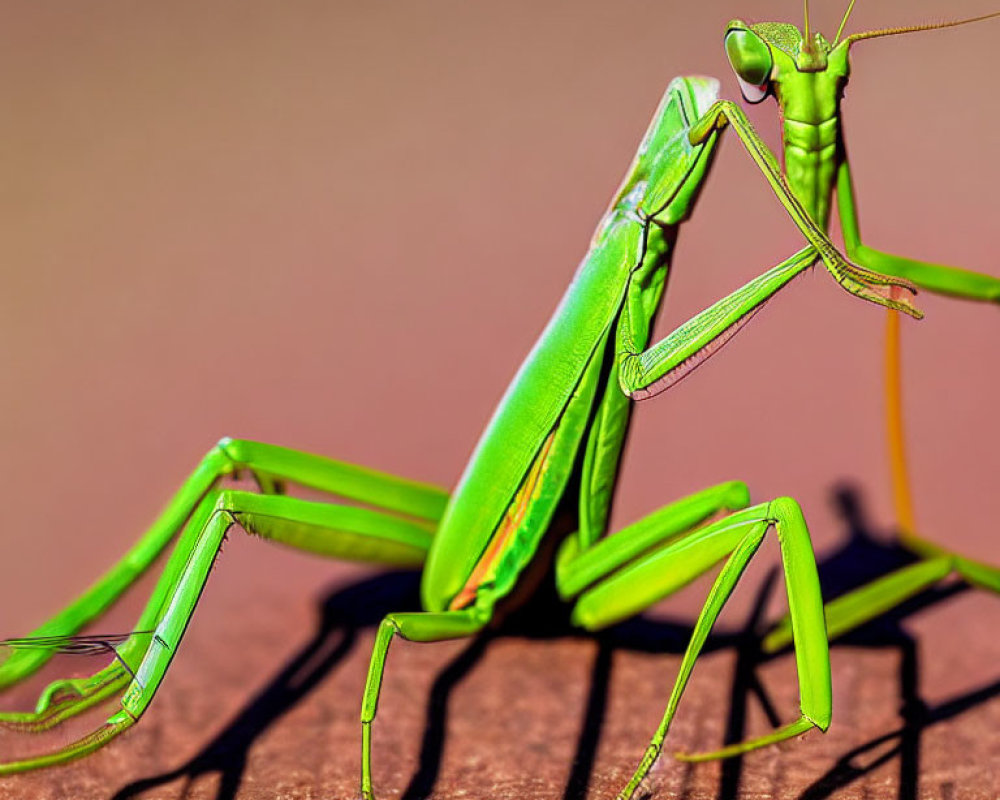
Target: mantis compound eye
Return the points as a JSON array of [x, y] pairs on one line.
[[751, 60]]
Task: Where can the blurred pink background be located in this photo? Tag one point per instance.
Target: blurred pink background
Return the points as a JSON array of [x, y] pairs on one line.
[[339, 226]]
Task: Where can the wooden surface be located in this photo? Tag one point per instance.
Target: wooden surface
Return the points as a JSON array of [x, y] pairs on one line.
[[262, 701]]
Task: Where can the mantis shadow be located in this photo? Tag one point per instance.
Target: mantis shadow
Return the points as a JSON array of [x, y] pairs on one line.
[[347, 611]]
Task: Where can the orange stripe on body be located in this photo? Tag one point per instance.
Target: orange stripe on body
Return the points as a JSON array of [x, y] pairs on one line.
[[484, 569]]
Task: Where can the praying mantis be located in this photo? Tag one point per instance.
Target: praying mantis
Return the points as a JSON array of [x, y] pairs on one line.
[[427, 504]]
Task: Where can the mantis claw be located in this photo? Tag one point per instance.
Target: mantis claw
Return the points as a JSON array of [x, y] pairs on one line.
[[56, 693], [81, 747], [802, 725], [876, 287], [66, 698]]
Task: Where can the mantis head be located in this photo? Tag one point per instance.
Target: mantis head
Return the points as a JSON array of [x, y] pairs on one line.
[[770, 56]]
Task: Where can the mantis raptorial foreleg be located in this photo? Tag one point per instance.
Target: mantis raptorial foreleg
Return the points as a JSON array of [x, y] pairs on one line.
[[646, 373], [622, 592], [857, 280], [858, 607], [933, 277], [325, 528]]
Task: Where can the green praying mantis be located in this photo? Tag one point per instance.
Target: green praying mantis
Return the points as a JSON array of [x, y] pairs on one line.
[[553, 447]]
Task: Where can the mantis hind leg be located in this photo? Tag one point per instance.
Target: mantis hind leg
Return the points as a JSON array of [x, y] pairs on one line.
[[324, 528], [270, 466], [734, 539], [854, 609]]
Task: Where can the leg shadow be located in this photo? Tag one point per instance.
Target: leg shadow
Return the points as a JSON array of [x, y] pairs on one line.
[[545, 616], [432, 745], [746, 685], [593, 720], [642, 634], [904, 742], [342, 615]]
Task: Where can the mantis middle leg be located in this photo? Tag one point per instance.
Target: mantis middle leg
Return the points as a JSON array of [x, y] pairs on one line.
[[938, 278]]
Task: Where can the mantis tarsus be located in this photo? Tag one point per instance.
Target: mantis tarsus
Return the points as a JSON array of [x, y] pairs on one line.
[[214, 512]]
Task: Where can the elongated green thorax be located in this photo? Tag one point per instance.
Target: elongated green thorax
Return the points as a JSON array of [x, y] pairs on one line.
[[810, 131]]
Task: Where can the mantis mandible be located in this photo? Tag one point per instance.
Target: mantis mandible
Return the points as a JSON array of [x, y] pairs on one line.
[[552, 430]]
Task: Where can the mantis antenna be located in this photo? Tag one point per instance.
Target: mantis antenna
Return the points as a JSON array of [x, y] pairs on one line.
[[856, 37], [843, 22]]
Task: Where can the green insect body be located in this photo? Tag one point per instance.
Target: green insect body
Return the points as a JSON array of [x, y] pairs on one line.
[[554, 443], [565, 373]]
